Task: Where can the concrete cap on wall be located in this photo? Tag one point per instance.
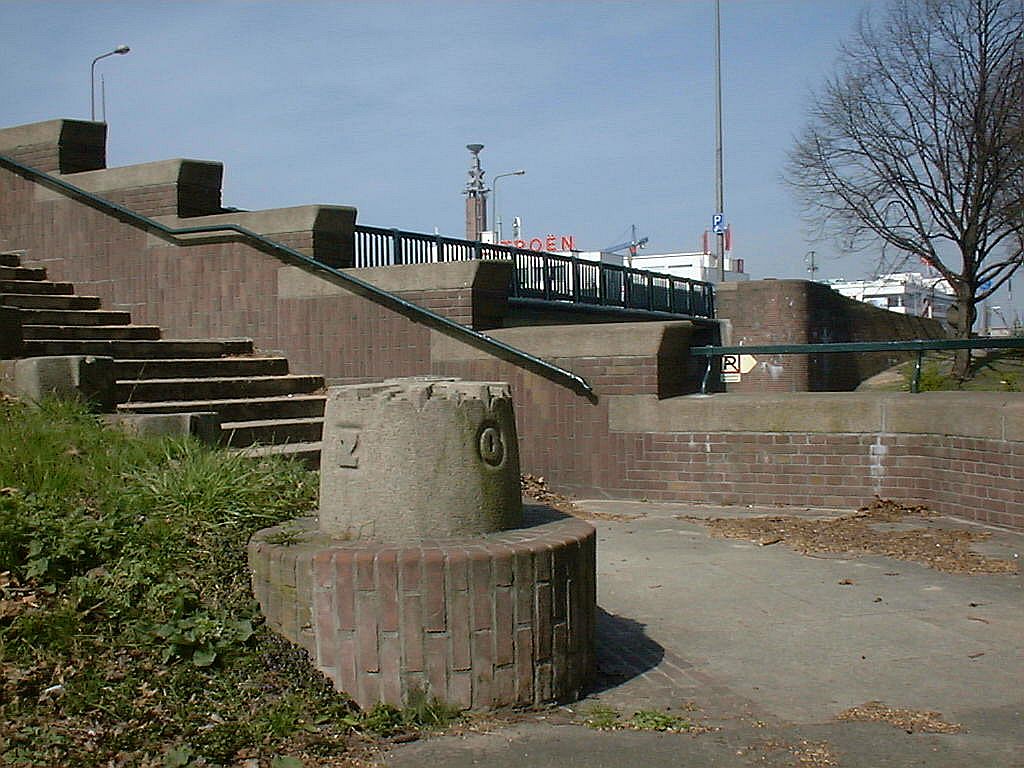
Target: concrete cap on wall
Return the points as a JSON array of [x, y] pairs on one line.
[[207, 173], [62, 145]]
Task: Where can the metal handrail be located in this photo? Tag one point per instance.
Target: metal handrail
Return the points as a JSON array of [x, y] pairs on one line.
[[910, 345], [544, 275], [359, 287]]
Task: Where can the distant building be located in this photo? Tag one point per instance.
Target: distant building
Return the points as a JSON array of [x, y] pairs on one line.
[[695, 266], [907, 293]]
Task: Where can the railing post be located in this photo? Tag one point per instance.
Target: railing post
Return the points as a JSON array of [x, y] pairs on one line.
[[576, 280], [396, 246], [915, 382], [707, 374], [546, 264]]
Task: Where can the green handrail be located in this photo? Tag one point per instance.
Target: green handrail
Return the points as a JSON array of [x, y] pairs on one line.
[[911, 345], [359, 287]]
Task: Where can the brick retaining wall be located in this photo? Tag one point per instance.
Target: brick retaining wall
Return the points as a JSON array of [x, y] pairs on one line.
[[805, 312]]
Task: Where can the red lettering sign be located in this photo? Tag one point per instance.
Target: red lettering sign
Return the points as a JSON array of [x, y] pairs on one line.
[[550, 244]]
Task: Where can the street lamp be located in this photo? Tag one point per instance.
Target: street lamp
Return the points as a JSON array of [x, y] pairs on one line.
[[121, 50], [494, 198]]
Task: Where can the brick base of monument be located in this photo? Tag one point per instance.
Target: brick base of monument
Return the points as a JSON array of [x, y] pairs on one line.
[[505, 619]]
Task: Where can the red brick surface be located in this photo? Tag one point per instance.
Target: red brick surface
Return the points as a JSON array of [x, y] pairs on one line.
[[519, 613]]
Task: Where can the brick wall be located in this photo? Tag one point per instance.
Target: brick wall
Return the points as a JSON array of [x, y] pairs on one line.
[[959, 476], [961, 453], [803, 312]]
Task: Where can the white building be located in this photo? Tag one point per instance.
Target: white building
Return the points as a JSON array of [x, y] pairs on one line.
[[908, 293], [695, 266]]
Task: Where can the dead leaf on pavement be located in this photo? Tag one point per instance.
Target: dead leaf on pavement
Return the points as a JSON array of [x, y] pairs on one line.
[[910, 720], [944, 549]]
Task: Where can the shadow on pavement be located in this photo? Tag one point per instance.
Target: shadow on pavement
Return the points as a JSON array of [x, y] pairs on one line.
[[624, 651]]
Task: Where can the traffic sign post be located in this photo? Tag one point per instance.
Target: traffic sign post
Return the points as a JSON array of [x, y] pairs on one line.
[[734, 366], [730, 368]]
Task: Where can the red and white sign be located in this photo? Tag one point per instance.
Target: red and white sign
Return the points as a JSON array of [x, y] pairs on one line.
[[550, 244]]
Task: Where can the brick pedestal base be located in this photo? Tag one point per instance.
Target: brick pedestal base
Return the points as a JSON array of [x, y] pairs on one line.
[[497, 620]]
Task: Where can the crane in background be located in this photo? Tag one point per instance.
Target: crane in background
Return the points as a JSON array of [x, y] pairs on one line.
[[632, 244]]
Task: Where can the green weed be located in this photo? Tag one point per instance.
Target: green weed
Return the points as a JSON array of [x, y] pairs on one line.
[[604, 718], [601, 717], [653, 720]]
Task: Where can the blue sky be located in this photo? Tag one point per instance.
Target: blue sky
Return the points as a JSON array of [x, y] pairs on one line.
[[607, 105]]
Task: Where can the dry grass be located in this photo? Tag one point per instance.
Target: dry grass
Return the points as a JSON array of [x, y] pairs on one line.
[[869, 531], [806, 754]]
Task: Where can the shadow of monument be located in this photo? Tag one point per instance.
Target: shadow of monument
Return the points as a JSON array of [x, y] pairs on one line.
[[535, 514], [623, 651]]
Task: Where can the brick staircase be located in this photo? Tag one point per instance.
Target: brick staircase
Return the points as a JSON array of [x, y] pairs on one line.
[[263, 408]]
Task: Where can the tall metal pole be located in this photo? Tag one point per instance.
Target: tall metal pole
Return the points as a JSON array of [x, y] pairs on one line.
[[719, 194], [121, 50], [495, 213]]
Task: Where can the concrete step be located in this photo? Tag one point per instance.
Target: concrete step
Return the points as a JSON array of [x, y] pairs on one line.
[[239, 409], [74, 317], [10, 260], [90, 333], [207, 349], [49, 301], [22, 273], [194, 367], [35, 286], [272, 431], [307, 453], [218, 388]]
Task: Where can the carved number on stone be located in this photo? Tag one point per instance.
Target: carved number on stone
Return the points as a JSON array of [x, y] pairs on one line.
[[492, 449], [348, 441]]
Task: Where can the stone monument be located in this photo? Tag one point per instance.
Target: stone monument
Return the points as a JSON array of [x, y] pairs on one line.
[[410, 459], [422, 572]]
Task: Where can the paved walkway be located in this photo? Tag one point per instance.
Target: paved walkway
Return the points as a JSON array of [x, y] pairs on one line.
[[767, 646]]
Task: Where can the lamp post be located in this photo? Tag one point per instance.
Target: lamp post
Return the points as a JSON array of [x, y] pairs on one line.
[[494, 198], [719, 198], [121, 50]]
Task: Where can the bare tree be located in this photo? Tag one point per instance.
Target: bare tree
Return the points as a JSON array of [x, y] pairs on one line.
[[918, 142]]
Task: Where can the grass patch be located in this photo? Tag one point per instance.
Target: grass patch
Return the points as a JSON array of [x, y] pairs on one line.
[[128, 632], [604, 718], [995, 371], [653, 720]]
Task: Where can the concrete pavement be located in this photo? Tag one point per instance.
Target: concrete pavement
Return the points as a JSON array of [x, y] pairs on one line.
[[768, 646]]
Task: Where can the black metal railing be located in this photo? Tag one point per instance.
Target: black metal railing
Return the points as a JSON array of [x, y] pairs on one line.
[[543, 276], [911, 345]]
